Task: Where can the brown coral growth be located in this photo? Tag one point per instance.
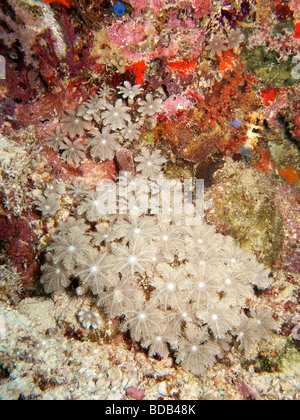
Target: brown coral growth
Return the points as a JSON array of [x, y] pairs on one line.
[[209, 125]]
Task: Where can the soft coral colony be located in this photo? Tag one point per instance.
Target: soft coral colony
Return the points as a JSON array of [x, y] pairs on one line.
[[104, 98], [175, 288]]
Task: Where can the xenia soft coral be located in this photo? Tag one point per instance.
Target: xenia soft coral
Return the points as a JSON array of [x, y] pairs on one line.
[[172, 285], [196, 293]]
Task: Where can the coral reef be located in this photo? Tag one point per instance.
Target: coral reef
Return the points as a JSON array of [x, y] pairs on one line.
[[189, 305], [111, 113]]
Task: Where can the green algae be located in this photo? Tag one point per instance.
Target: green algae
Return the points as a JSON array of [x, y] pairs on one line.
[[179, 172], [265, 363], [284, 26], [148, 137], [291, 361], [284, 152], [244, 207], [269, 67], [285, 359]]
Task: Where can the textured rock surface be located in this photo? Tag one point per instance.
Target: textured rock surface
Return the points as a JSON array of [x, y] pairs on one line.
[[40, 361]]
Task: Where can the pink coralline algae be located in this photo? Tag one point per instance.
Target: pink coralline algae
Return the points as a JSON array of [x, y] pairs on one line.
[[134, 393], [125, 161], [176, 103], [246, 391], [141, 40], [274, 108], [140, 5], [202, 8], [125, 33], [21, 241]]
